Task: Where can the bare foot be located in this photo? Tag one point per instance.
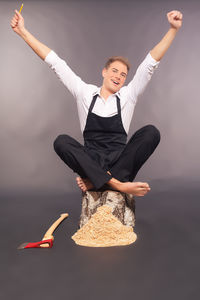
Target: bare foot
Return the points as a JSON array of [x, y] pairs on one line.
[[134, 188], [84, 184]]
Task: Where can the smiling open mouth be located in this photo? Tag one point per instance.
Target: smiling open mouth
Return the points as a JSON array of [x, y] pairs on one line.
[[115, 82]]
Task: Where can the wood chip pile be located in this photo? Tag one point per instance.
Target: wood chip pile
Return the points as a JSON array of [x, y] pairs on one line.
[[104, 230]]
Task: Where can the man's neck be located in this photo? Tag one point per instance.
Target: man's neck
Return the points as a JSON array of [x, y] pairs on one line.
[[104, 93]]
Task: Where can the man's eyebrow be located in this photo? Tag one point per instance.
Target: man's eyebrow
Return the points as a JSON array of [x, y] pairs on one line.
[[118, 70]]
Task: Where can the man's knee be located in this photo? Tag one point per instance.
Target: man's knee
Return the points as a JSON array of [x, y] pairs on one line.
[[61, 142], [152, 134]]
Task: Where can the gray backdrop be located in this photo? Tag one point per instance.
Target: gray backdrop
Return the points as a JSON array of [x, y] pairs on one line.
[[36, 186], [36, 107]]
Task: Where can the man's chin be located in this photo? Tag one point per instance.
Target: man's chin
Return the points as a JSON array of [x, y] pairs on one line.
[[115, 90]]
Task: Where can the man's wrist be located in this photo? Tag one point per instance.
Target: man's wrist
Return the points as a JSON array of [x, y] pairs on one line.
[[174, 29], [23, 33]]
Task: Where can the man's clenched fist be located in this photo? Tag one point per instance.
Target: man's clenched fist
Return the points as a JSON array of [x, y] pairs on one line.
[[17, 23], [175, 18]]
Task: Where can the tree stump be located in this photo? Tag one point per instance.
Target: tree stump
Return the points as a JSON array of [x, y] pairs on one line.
[[107, 219], [122, 204]]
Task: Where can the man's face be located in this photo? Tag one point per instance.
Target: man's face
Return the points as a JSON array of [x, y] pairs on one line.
[[114, 76]]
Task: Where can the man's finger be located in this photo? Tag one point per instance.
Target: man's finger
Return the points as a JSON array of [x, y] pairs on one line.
[[174, 14], [13, 22], [15, 19], [18, 14], [171, 13], [180, 16]]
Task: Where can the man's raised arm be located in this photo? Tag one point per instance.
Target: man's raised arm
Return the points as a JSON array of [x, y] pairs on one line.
[[74, 83], [175, 20], [17, 24]]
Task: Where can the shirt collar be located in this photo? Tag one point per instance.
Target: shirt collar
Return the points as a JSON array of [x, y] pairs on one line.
[[97, 92]]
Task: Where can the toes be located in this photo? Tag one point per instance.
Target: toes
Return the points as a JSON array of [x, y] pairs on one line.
[[82, 187], [146, 185], [142, 185], [81, 184]]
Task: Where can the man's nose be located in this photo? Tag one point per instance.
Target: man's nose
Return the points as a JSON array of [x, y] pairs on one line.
[[117, 77]]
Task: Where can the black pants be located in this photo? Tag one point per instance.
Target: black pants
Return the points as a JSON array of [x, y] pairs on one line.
[[138, 149]]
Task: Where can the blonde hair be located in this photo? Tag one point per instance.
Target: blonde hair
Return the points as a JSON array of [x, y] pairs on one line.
[[122, 59]]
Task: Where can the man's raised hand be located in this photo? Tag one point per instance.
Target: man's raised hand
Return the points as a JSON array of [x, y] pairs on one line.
[[17, 23], [175, 19]]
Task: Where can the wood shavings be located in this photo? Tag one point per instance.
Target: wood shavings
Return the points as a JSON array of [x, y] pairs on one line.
[[104, 230]]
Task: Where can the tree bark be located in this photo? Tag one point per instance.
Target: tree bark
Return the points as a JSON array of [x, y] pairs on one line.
[[123, 206]]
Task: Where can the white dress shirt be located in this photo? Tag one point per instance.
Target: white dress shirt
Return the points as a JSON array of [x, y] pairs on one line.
[[84, 92]]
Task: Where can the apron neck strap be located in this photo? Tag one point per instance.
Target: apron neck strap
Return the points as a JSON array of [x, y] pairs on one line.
[[95, 98], [118, 105], [93, 103]]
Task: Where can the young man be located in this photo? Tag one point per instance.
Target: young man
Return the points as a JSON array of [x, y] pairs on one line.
[[106, 160]]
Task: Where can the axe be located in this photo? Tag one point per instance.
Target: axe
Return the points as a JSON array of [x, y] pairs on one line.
[[48, 238]]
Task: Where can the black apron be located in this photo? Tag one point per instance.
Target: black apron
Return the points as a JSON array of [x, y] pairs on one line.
[[104, 137]]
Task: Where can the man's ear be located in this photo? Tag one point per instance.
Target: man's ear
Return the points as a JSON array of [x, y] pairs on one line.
[[104, 72]]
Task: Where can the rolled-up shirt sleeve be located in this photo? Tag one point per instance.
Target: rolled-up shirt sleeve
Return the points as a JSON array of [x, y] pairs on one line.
[[73, 82], [142, 76]]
